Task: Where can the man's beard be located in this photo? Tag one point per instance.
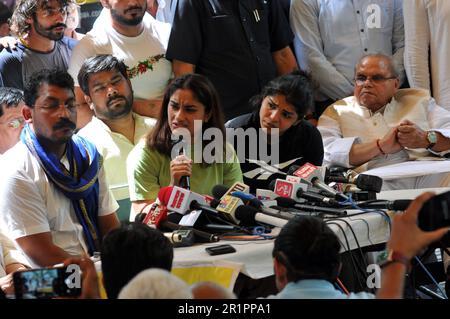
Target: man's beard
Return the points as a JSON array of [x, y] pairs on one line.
[[47, 32], [129, 22], [118, 112]]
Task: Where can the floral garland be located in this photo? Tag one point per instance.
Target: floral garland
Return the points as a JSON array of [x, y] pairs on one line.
[[143, 66]]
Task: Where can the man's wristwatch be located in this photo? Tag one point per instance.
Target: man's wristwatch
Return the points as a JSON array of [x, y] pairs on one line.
[[396, 257], [432, 139]]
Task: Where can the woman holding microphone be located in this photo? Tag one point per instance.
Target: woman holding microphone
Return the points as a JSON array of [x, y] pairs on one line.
[[190, 107]]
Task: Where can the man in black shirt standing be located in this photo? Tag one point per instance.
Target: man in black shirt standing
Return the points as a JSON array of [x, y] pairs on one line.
[[239, 45]]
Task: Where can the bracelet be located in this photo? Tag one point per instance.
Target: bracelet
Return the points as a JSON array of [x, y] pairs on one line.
[[379, 147], [395, 257]]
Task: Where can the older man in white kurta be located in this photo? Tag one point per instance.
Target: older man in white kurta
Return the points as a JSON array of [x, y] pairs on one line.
[[382, 125]]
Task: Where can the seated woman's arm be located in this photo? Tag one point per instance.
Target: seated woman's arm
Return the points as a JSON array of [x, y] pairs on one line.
[[143, 178]]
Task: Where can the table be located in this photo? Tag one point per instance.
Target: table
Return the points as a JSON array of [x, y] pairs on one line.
[[254, 259]]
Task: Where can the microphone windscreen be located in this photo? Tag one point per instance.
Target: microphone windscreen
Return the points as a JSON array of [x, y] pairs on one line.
[[369, 182], [164, 194], [219, 190], [246, 215], [285, 202], [292, 169]]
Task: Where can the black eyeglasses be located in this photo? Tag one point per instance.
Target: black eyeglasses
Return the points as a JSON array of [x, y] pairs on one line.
[[376, 79]]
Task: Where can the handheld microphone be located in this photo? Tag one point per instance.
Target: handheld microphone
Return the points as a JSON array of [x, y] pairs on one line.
[[185, 181], [289, 202]]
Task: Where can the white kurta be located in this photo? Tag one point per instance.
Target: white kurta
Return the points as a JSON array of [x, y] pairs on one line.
[[427, 41], [346, 122]]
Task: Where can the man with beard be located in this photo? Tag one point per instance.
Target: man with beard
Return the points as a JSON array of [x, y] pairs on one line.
[[40, 26], [140, 43], [54, 198], [114, 129]]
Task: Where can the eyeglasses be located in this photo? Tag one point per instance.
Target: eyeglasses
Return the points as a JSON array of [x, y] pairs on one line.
[[15, 123], [376, 79]]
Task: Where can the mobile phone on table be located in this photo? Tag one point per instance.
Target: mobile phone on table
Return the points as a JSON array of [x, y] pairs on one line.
[[44, 283], [220, 249]]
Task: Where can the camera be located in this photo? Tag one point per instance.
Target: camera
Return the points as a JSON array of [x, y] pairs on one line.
[[435, 214], [47, 283]]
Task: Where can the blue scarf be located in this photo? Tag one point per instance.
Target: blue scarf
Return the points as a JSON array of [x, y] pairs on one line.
[[79, 183]]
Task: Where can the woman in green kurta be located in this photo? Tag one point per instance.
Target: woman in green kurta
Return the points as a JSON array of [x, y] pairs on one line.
[[151, 165]]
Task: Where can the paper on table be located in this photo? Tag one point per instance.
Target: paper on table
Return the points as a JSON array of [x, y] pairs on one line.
[[410, 169]]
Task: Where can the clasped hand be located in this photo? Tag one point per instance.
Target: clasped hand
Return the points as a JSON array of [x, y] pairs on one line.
[[405, 135]]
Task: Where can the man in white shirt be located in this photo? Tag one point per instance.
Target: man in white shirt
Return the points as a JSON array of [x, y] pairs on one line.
[[131, 35], [331, 36], [114, 129], [382, 125], [54, 198], [426, 47]]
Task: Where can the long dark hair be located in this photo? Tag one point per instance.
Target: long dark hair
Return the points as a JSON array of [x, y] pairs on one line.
[[203, 90]]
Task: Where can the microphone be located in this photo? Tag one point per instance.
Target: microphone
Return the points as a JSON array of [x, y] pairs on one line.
[[289, 202], [228, 204], [175, 219], [299, 193], [157, 217], [314, 175], [180, 200], [362, 181], [252, 201], [220, 191], [399, 204], [249, 216], [185, 181]]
